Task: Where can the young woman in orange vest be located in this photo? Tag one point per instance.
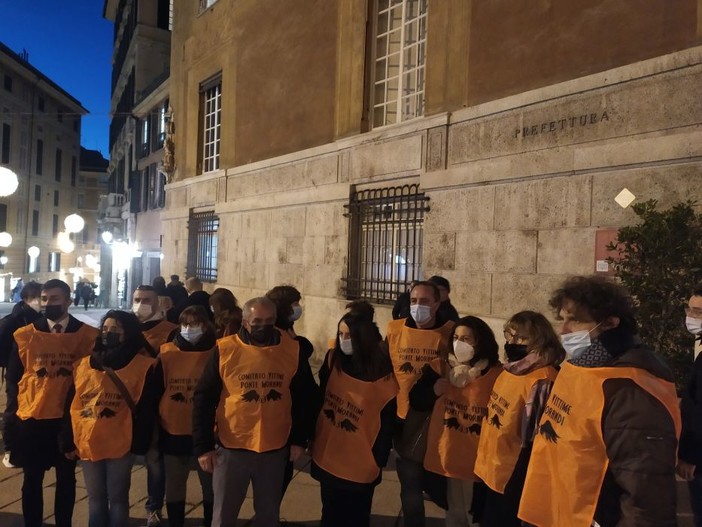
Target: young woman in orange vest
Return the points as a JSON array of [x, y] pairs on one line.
[[458, 391], [105, 432], [354, 429], [183, 360], [518, 398]]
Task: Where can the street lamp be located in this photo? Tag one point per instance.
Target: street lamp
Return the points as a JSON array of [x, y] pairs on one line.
[[8, 182], [74, 223], [64, 242], [5, 239], [33, 251], [107, 237], [3, 261]]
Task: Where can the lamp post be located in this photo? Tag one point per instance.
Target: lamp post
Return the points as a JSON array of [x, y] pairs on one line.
[[8, 182], [5, 239]]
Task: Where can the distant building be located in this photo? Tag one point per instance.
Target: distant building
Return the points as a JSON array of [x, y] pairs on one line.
[[92, 184], [348, 147], [40, 141], [140, 66]]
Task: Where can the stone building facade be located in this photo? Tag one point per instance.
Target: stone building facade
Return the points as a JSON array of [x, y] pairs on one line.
[[520, 123]]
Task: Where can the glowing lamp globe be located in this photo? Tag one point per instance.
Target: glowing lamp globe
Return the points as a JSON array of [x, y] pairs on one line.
[[107, 237], [3, 260], [5, 239], [33, 251], [8, 182], [74, 223]]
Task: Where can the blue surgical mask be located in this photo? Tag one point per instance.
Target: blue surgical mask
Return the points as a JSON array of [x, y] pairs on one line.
[[191, 334], [296, 314], [694, 325], [346, 346], [577, 342]]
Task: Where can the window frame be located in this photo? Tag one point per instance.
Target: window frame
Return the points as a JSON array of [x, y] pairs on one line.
[[210, 107], [403, 101], [386, 242], [203, 245]]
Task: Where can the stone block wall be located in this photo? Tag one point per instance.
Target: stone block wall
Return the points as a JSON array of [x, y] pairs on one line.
[[518, 189]]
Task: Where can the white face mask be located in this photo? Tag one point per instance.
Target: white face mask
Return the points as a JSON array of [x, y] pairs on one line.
[[296, 314], [421, 314], [346, 346], [35, 305], [142, 311], [694, 325], [577, 342], [192, 335], [463, 351]]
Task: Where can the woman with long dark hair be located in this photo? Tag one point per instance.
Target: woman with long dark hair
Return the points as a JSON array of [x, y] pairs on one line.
[[112, 412], [457, 391], [226, 311], [519, 397], [354, 429], [183, 361]]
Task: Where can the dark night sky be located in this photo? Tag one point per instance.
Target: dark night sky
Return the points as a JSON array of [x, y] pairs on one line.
[[69, 42]]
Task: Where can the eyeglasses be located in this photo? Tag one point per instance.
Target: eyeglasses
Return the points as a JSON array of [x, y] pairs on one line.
[[695, 312], [513, 337]]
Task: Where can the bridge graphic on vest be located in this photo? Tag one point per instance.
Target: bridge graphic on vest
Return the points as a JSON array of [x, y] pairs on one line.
[[346, 424], [495, 421], [253, 396], [454, 424], [406, 367], [546, 430]]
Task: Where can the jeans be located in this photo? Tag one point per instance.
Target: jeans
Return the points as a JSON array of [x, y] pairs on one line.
[[107, 483], [411, 476], [64, 494], [695, 488], [460, 496], [346, 508], [177, 471], [155, 479]]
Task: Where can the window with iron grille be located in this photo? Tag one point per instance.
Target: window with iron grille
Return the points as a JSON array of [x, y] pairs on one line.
[[202, 246], [385, 242], [398, 59], [211, 115]]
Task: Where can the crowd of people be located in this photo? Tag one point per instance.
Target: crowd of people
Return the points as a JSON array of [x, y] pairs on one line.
[[575, 426]]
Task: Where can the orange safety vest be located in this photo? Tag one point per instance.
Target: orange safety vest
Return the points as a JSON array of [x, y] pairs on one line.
[[455, 425], [254, 408], [569, 459], [410, 349], [157, 335], [500, 437], [348, 425], [48, 368], [100, 417], [181, 371]]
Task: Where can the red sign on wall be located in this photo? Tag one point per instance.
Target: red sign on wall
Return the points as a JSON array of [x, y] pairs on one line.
[[603, 238]]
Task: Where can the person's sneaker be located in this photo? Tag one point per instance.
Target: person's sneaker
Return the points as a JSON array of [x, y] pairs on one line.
[[153, 519]]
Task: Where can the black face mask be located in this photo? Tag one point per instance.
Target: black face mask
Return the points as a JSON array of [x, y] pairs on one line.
[[261, 334], [110, 339], [54, 312], [515, 352]]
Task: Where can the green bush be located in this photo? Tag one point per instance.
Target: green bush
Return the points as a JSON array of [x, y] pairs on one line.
[[660, 262]]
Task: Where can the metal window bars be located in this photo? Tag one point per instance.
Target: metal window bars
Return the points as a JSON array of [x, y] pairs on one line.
[[202, 246], [385, 242]]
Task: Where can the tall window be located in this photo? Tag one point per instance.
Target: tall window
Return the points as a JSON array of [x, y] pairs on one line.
[[144, 148], [73, 170], [54, 262], [55, 224], [40, 156], [161, 138], [35, 223], [37, 192], [7, 82], [59, 163], [202, 246], [211, 97], [3, 217], [385, 242], [56, 198], [399, 52], [6, 131]]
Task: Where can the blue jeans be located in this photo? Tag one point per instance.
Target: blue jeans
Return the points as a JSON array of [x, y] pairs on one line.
[[107, 483], [695, 488], [155, 479]]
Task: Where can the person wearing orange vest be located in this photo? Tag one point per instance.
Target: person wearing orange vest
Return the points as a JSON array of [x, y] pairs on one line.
[[412, 343], [183, 361], [39, 377], [157, 331], [258, 389], [605, 452], [457, 392], [355, 427], [102, 430], [518, 398]]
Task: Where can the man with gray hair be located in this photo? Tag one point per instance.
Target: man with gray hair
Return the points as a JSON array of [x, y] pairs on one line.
[[260, 393]]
